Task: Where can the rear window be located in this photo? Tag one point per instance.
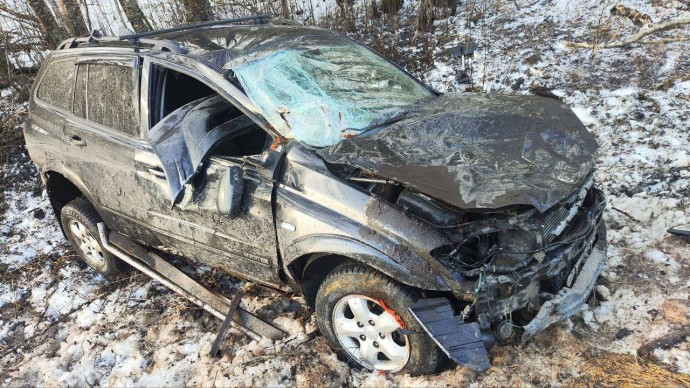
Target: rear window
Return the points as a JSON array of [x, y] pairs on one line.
[[57, 84]]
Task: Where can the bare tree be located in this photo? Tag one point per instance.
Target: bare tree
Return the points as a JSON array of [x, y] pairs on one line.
[[284, 9], [347, 14], [72, 17], [374, 11], [197, 10], [391, 6], [451, 6], [425, 16], [18, 16], [52, 31], [135, 16], [4, 68]]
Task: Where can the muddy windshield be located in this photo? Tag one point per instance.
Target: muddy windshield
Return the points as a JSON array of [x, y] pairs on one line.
[[320, 95]]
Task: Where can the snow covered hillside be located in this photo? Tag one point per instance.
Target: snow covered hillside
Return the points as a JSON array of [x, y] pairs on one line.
[[62, 324]]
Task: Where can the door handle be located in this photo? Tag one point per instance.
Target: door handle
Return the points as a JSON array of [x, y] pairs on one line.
[[77, 141], [156, 171]]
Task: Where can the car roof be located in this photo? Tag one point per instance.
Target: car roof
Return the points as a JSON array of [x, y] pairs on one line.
[[224, 43], [206, 41], [219, 44], [243, 37]]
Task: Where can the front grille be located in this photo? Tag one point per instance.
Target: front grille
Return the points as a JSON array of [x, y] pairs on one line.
[[503, 294], [557, 219], [552, 221]]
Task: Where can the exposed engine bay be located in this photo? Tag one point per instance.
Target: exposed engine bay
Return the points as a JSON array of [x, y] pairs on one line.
[[515, 258]]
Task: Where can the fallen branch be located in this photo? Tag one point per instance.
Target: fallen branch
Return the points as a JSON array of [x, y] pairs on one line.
[[664, 40], [637, 38], [664, 342], [624, 213]]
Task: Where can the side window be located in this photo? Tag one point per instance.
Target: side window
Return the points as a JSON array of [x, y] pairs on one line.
[[111, 97], [57, 84], [172, 90], [170, 83]]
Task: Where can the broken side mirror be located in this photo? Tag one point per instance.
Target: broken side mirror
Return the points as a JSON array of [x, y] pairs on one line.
[[230, 190]]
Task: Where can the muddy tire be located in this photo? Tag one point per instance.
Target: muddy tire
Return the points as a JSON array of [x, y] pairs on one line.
[[362, 314], [79, 220]]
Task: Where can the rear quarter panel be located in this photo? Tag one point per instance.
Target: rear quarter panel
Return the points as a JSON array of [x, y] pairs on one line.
[[43, 129]]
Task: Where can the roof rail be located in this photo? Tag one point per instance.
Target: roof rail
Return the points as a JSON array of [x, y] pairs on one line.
[[257, 19], [158, 44], [96, 38]]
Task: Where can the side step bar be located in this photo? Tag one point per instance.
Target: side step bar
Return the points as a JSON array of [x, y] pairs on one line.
[[160, 270]]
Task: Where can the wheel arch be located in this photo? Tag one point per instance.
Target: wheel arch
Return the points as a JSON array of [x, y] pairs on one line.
[[62, 187], [310, 260]]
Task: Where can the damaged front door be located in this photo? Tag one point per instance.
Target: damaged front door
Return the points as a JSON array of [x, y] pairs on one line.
[[218, 176]]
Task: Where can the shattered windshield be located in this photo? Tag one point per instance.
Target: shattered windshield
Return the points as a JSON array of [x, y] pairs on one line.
[[320, 95]]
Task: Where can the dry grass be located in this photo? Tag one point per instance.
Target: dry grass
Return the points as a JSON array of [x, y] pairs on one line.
[[12, 116], [624, 370], [11, 137]]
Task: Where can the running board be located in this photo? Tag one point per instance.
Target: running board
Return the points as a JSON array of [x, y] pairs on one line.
[[463, 342], [160, 270]]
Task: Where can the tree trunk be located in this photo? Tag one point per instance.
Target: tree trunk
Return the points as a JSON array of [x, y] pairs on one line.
[[374, 12], [135, 15], [197, 10], [53, 33], [452, 7], [448, 7], [347, 14], [284, 9], [391, 6], [425, 16], [4, 68], [73, 18]]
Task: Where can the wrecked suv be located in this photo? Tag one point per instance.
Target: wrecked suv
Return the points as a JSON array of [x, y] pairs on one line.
[[417, 225]]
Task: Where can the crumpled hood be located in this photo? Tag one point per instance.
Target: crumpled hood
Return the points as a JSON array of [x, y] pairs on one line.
[[479, 151]]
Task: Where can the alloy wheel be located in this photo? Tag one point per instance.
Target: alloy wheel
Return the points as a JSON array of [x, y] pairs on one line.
[[369, 332], [89, 246]]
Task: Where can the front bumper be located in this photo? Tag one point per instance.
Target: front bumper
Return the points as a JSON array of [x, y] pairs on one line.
[[464, 342], [576, 264], [568, 300]]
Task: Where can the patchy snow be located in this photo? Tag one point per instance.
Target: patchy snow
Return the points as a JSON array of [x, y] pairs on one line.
[[61, 324]]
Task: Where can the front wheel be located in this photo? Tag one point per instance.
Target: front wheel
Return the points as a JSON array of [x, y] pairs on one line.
[[365, 317]]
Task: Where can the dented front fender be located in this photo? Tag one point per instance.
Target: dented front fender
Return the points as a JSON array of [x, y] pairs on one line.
[[316, 212]]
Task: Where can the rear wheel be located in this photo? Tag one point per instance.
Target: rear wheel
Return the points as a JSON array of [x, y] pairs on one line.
[[79, 220], [365, 317]]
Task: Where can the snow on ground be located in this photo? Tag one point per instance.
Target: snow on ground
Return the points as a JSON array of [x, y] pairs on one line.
[[61, 324]]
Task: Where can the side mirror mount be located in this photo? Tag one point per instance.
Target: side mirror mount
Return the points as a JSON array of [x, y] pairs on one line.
[[231, 186]]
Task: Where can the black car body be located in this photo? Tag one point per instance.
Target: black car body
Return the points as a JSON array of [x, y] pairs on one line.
[[480, 202]]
